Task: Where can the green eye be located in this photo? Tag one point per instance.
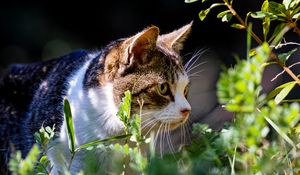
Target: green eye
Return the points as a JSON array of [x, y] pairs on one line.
[[163, 88]]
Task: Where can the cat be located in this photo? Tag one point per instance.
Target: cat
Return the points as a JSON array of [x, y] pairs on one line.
[[147, 63]]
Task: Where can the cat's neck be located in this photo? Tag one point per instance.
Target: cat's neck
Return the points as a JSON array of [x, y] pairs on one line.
[[93, 108]]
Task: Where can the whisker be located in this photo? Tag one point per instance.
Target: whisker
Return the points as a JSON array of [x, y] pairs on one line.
[[157, 134], [196, 55], [156, 122], [196, 73], [194, 67], [194, 59], [148, 124], [172, 149]]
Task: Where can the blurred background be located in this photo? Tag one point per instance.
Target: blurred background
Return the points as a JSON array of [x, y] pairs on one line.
[[41, 30]]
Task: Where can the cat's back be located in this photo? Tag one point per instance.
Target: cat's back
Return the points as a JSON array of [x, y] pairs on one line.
[[21, 90], [19, 82]]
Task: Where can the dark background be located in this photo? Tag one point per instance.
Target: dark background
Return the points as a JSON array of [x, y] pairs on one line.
[[39, 30], [32, 31]]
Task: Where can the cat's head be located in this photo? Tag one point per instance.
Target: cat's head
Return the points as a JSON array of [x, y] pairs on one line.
[[150, 66]]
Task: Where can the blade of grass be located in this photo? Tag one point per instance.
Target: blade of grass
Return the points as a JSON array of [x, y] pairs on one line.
[[280, 132], [98, 141], [69, 125]]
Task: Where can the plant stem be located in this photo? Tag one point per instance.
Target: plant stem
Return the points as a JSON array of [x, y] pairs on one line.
[[235, 14], [71, 161], [295, 27]]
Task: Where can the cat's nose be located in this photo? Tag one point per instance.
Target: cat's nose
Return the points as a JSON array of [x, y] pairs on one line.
[[185, 112]]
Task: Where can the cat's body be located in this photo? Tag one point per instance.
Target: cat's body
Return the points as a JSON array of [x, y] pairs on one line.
[[147, 64]]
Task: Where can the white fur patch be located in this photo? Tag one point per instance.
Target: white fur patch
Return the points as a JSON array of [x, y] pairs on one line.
[[94, 117]]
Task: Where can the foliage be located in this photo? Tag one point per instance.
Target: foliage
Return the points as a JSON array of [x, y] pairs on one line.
[[264, 137]]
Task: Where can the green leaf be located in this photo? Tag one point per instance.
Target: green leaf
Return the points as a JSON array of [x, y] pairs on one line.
[[191, 1], [280, 132], [285, 56], [265, 6], [261, 15], [284, 92], [124, 110], [238, 26], [296, 16], [221, 14], [69, 125], [277, 30], [99, 141], [266, 27], [268, 63], [202, 14], [286, 3], [276, 8], [227, 17], [278, 89]]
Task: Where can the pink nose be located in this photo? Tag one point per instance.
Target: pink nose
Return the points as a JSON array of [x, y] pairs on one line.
[[185, 112]]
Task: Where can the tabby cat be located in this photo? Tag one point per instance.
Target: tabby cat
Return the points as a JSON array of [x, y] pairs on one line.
[[147, 64]]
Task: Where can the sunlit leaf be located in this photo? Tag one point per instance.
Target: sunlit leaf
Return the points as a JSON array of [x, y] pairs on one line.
[[286, 3], [99, 141], [191, 1], [284, 92], [238, 26], [221, 14], [296, 16], [202, 14], [227, 17], [280, 132], [69, 125]]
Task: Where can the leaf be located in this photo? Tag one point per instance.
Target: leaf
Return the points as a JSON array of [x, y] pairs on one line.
[[258, 14], [276, 8], [265, 6], [202, 14], [284, 92], [124, 110], [268, 63], [277, 30], [280, 132], [99, 141], [69, 125], [191, 1], [221, 14], [266, 27], [238, 26], [296, 16], [285, 56], [286, 3], [227, 17], [277, 90], [261, 15]]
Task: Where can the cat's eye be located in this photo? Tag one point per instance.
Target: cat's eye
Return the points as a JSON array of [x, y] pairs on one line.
[[163, 88]]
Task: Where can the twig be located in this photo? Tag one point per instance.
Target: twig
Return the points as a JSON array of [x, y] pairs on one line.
[[284, 71], [295, 27], [259, 41], [235, 14]]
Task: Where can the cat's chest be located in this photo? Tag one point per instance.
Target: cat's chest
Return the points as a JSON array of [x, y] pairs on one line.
[[93, 109]]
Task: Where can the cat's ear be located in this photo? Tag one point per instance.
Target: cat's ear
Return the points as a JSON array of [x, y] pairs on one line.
[[141, 44], [175, 39]]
